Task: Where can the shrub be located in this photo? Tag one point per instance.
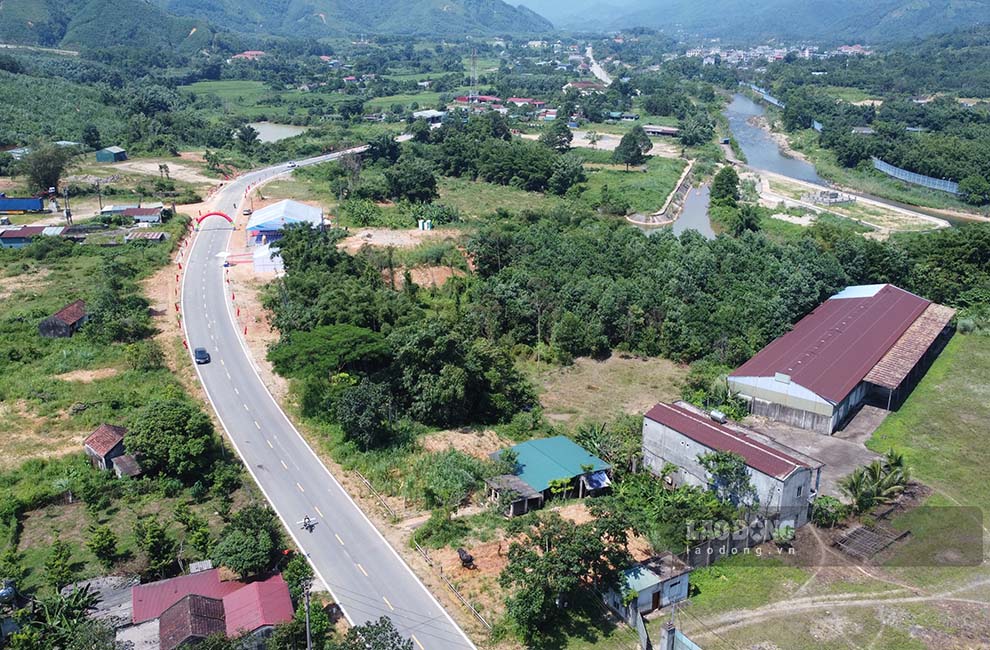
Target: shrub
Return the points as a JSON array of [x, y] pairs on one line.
[[827, 511]]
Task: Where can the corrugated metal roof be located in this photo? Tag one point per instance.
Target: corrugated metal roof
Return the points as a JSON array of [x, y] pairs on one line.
[[549, 459], [713, 435], [832, 349], [152, 599], [257, 605], [894, 367]]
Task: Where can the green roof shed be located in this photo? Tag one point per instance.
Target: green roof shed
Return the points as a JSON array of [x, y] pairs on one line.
[[111, 154], [548, 459]]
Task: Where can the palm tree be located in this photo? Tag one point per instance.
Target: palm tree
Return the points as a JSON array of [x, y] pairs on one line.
[[859, 490]]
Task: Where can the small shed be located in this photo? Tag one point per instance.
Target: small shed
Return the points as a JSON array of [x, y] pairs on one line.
[[65, 322], [658, 582], [111, 155], [105, 445], [126, 465], [522, 498]]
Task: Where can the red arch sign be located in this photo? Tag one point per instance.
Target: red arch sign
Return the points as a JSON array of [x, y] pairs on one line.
[[214, 214]]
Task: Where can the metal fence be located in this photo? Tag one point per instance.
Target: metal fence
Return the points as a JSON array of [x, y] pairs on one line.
[[916, 179], [767, 97]]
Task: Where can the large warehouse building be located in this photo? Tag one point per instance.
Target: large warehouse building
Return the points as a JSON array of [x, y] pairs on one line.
[[871, 341]]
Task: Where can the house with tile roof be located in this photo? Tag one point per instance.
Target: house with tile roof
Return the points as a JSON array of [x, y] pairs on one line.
[[786, 480], [65, 322], [105, 448], [866, 342], [190, 608]]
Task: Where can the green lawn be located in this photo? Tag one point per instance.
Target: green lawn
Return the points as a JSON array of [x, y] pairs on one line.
[[646, 191], [244, 98], [477, 198], [848, 94]]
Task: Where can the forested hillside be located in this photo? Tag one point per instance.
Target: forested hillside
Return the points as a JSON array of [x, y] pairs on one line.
[[875, 21], [315, 18], [97, 23]]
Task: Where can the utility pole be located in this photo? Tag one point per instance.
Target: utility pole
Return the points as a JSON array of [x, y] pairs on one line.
[[309, 639]]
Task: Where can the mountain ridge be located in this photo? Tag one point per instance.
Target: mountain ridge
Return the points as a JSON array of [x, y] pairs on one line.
[[825, 20]]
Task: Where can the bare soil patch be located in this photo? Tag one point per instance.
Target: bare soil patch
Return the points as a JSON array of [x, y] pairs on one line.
[[88, 376], [23, 282], [385, 237], [603, 389], [176, 170], [477, 443], [28, 435]]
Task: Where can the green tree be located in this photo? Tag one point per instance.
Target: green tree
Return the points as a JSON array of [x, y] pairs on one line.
[[412, 179], [557, 135], [58, 565], [745, 219], [102, 543], [145, 355], [975, 189], [631, 148], [569, 337], [298, 574], [374, 635], [696, 129], [91, 136], [173, 437], [827, 511], [553, 562], [160, 548], [568, 171], [729, 478], [243, 552], [725, 187], [384, 147], [420, 131], [366, 414], [44, 166], [247, 138]]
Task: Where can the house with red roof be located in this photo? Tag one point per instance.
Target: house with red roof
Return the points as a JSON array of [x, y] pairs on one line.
[[786, 480], [249, 55], [866, 343], [104, 444], [65, 322], [192, 607]]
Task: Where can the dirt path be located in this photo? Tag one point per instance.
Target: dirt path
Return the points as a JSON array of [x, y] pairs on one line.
[[737, 619]]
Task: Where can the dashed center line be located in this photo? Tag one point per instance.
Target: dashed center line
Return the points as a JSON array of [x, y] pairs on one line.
[[284, 466], [236, 392], [388, 603], [338, 539], [363, 571], [257, 425], [297, 484], [270, 445], [246, 408], [317, 511]]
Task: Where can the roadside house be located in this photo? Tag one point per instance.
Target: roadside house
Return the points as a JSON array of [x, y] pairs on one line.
[[105, 448], [546, 463], [786, 481], [650, 585], [65, 322]]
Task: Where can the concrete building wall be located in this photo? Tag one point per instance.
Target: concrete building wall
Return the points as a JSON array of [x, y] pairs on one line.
[[787, 498]]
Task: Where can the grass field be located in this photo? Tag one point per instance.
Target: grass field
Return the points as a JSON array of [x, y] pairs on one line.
[[243, 98], [479, 199], [646, 191], [848, 94]]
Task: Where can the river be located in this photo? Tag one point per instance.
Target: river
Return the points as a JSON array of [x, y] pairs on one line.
[[272, 132], [761, 150]]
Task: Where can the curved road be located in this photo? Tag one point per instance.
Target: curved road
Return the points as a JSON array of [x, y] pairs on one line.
[[362, 571]]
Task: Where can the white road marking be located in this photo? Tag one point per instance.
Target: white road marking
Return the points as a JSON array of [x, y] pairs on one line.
[[338, 539], [246, 408], [299, 486], [388, 603], [270, 444], [284, 466], [257, 425], [363, 571], [317, 511], [236, 392], [413, 637], [221, 362]]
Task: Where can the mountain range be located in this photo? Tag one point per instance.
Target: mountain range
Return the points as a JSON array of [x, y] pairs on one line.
[[191, 23], [822, 20]]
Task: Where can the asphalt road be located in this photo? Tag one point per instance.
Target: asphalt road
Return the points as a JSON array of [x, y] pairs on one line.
[[362, 571]]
